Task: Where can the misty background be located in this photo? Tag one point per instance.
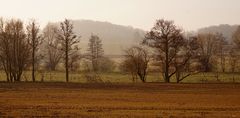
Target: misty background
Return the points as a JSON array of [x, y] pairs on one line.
[[121, 24]]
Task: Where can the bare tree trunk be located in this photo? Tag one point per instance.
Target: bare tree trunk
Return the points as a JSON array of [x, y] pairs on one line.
[[166, 65], [33, 64], [178, 76], [66, 61], [233, 78]]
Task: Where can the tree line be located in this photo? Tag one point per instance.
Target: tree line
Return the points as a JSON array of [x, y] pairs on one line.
[[179, 54], [176, 54], [26, 47]]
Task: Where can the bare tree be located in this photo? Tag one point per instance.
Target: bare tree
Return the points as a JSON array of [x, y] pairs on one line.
[[185, 61], [221, 50], [236, 37], [34, 40], [234, 56], [167, 39], [136, 61], [95, 51], [69, 42], [208, 43], [74, 61], [14, 49], [233, 60], [51, 47], [127, 66]]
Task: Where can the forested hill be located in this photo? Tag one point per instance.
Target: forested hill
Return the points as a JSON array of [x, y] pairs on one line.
[[115, 38], [225, 29]]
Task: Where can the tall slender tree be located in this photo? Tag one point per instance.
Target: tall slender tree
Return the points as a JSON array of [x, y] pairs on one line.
[[34, 40], [95, 51], [69, 42]]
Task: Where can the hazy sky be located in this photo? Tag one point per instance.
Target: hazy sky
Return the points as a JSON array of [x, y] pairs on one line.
[[189, 14]]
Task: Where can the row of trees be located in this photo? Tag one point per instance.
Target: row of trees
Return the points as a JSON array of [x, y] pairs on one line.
[[22, 48], [165, 45], [14, 49], [179, 54]]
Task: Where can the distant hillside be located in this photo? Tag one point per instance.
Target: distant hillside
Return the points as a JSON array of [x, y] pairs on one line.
[[115, 38], [226, 30]]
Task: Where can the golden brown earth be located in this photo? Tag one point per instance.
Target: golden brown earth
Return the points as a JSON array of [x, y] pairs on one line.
[[119, 100]]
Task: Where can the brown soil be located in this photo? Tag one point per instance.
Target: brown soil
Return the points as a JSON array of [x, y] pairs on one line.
[[119, 100]]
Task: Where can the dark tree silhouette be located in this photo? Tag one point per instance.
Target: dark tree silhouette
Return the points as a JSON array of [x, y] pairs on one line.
[[14, 49], [184, 63], [69, 42], [167, 39], [34, 40], [136, 62]]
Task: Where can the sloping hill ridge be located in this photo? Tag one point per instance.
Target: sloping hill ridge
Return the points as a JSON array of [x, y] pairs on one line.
[[225, 29], [115, 38]]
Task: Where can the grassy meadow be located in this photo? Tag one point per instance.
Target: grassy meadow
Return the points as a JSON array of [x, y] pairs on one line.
[[117, 77]]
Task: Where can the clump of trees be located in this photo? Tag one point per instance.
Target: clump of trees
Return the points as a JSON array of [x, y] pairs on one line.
[[14, 49], [136, 62], [183, 56], [19, 47], [96, 62], [209, 45]]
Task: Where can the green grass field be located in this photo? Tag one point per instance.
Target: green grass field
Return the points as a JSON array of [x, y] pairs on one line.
[[126, 78]]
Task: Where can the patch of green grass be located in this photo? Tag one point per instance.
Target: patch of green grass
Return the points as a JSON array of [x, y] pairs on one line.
[[117, 77]]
